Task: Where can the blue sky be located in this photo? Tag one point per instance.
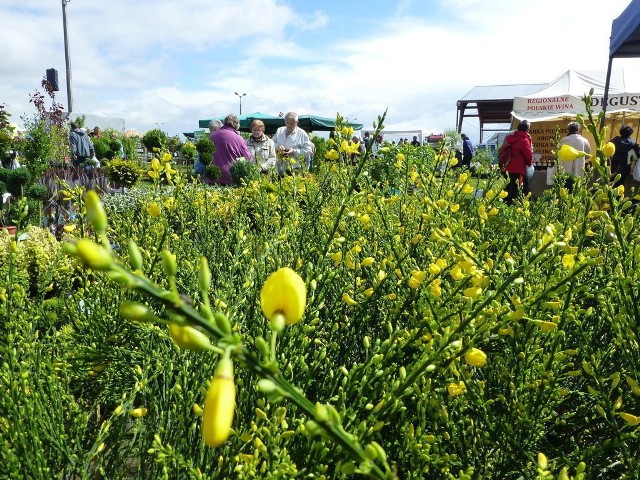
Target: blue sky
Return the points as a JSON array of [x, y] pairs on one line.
[[169, 63]]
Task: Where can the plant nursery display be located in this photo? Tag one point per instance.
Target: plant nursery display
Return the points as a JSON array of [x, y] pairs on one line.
[[383, 317]]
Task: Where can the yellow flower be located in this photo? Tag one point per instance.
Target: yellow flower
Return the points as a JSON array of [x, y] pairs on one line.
[[166, 157], [456, 273], [367, 261], [219, 405], [285, 293], [153, 174], [455, 207], [346, 298], [467, 189], [368, 292], [153, 209], [568, 153], [568, 261], [417, 277], [434, 269], [155, 165], [139, 412], [472, 292], [336, 257], [630, 419], [546, 326], [475, 357], [609, 149], [436, 289], [456, 389], [331, 155], [365, 219]]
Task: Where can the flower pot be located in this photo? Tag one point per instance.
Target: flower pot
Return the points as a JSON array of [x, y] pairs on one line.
[[11, 229]]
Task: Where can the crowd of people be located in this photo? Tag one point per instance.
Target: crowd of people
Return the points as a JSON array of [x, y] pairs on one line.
[[519, 167], [288, 147]]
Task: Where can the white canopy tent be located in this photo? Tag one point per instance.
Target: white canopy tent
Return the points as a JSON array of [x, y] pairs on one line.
[[550, 109], [563, 97]]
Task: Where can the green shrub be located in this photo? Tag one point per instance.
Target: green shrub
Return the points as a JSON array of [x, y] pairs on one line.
[[37, 147], [37, 191], [15, 180], [155, 138], [212, 172], [123, 173], [188, 152], [243, 171], [206, 149], [102, 148], [3, 187]]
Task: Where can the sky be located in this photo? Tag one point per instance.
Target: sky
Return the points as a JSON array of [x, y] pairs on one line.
[[169, 63]]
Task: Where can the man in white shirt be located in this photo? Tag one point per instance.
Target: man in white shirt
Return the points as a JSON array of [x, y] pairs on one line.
[[292, 143], [575, 168]]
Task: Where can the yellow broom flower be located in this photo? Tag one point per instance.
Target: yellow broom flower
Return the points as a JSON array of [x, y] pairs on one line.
[[284, 293], [475, 357]]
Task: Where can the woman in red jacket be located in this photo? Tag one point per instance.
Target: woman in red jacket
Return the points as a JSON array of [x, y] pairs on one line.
[[521, 158]]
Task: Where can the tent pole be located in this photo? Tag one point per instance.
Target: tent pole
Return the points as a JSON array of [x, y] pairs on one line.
[[605, 98]]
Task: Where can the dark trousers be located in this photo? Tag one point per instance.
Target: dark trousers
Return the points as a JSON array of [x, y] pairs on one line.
[[514, 187], [79, 160]]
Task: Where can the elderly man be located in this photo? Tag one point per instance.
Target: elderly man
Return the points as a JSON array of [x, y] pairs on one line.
[[292, 143], [229, 147]]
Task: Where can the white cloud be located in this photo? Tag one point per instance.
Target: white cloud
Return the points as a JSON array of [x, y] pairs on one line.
[[173, 63]]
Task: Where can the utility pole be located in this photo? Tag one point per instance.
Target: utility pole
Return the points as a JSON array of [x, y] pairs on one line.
[[66, 55]]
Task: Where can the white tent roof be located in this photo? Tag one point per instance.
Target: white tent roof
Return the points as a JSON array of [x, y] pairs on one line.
[[563, 96]]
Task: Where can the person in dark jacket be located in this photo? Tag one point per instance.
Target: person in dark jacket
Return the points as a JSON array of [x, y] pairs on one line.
[[467, 151], [622, 158], [80, 144], [521, 158]]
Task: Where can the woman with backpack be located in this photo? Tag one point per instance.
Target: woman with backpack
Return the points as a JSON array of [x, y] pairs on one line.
[[623, 157], [516, 154]]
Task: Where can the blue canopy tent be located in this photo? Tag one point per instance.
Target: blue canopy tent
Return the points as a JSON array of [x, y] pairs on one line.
[[624, 42]]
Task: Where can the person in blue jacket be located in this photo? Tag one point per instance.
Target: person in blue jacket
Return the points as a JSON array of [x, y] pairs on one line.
[[467, 151]]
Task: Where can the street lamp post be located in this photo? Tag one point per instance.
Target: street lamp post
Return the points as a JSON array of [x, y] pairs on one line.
[[66, 55], [240, 97]]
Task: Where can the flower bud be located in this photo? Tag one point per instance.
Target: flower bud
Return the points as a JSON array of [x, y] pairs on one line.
[[222, 322], [96, 215], [137, 312], [135, 257], [189, 338], [204, 275], [219, 405], [169, 263], [93, 255]]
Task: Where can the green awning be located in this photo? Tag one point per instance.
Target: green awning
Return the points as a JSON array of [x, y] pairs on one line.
[[309, 123]]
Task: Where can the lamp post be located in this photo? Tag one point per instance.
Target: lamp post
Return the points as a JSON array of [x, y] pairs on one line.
[[66, 55], [240, 97]]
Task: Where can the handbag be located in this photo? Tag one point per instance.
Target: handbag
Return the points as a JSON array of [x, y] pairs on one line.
[[636, 171], [530, 171], [551, 174]]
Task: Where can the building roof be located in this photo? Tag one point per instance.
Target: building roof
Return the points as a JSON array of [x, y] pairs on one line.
[[501, 92], [492, 104]]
